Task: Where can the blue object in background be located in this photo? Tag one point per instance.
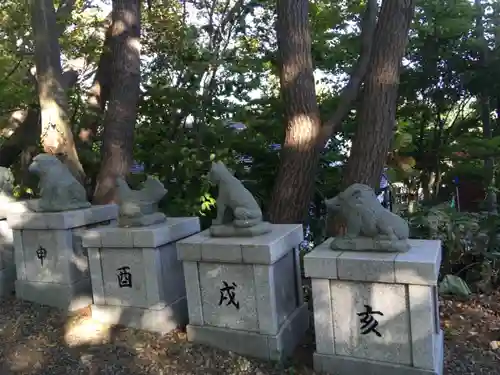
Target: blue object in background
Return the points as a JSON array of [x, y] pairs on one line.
[[136, 167]]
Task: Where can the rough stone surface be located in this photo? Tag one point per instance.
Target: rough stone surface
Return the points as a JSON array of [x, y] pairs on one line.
[[366, 218], [154, 295], [420, 265], [138, 207], [244, 304], [59, 190], [236, 207]]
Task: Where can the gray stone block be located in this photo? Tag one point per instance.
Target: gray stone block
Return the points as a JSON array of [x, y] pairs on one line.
[[193, 292], [343, 365], [51, 256], [323, 313], [420, 265], [62, 220], [67, 297], [423, 322], [174, 229], [269, 347], [7, 264], [349, 299], [246, 305], [140, 287], [369, 321], [163, 319], [265, 249], [7, 280]]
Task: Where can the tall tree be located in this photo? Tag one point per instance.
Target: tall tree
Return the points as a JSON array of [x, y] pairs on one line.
[[56, 130], [120, 118], [484, 104], [377, 115], [305, 135]]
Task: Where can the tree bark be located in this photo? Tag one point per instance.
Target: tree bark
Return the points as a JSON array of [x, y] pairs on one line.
[[484, 100], [304, 137], [28, 129], [57, 135], [119, 122], [27, 133], [300, 154], [377, 114]]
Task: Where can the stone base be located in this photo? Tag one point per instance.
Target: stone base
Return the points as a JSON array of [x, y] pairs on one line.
[[162, 320], [343, 365], [7, 280], [232, 231], [68, 298], [141, 221], [369, 244], [36, 206], [269, 347]]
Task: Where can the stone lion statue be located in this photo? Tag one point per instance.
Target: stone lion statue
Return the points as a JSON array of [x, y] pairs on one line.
[[59, 190], [236, 206], [366, 218]]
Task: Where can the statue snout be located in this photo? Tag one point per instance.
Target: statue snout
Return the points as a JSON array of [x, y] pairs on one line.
[[332, 204]]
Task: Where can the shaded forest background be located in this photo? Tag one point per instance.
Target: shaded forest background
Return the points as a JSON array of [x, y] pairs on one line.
[[301, 98]]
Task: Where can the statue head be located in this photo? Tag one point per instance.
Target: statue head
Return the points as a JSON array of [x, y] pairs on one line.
[[353, 195], [43, 162]]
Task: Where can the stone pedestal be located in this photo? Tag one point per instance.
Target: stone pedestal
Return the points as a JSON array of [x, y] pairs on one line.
[[51, 265], [245, 294], [137, 280], [376, 313], [7, 264]]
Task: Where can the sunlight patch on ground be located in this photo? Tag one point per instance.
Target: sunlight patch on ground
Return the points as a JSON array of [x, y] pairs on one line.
[[86, 331]]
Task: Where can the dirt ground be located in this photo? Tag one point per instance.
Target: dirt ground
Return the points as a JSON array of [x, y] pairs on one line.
[[38, 340]]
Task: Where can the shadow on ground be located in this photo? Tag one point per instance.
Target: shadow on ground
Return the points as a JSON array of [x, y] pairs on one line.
[[39, 340]]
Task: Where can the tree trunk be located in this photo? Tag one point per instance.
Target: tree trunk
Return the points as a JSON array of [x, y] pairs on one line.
[[57, 135], [484, 100], [377, 114], [27, 132], [299, 157], [119, 122]]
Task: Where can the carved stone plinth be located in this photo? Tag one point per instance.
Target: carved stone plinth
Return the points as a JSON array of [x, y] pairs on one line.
[[137, 280], [376, 313], [51, 265], [245, 294]]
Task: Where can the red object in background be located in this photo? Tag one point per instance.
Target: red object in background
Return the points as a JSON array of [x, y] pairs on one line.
[[471, 195]]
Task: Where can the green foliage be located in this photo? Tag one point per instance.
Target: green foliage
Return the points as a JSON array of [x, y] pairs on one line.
[[471, 247]]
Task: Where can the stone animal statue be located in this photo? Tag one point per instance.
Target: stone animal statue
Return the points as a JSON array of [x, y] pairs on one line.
[[139, 207], [365, 216], [59, 190], [236, 206], [6, 185]]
